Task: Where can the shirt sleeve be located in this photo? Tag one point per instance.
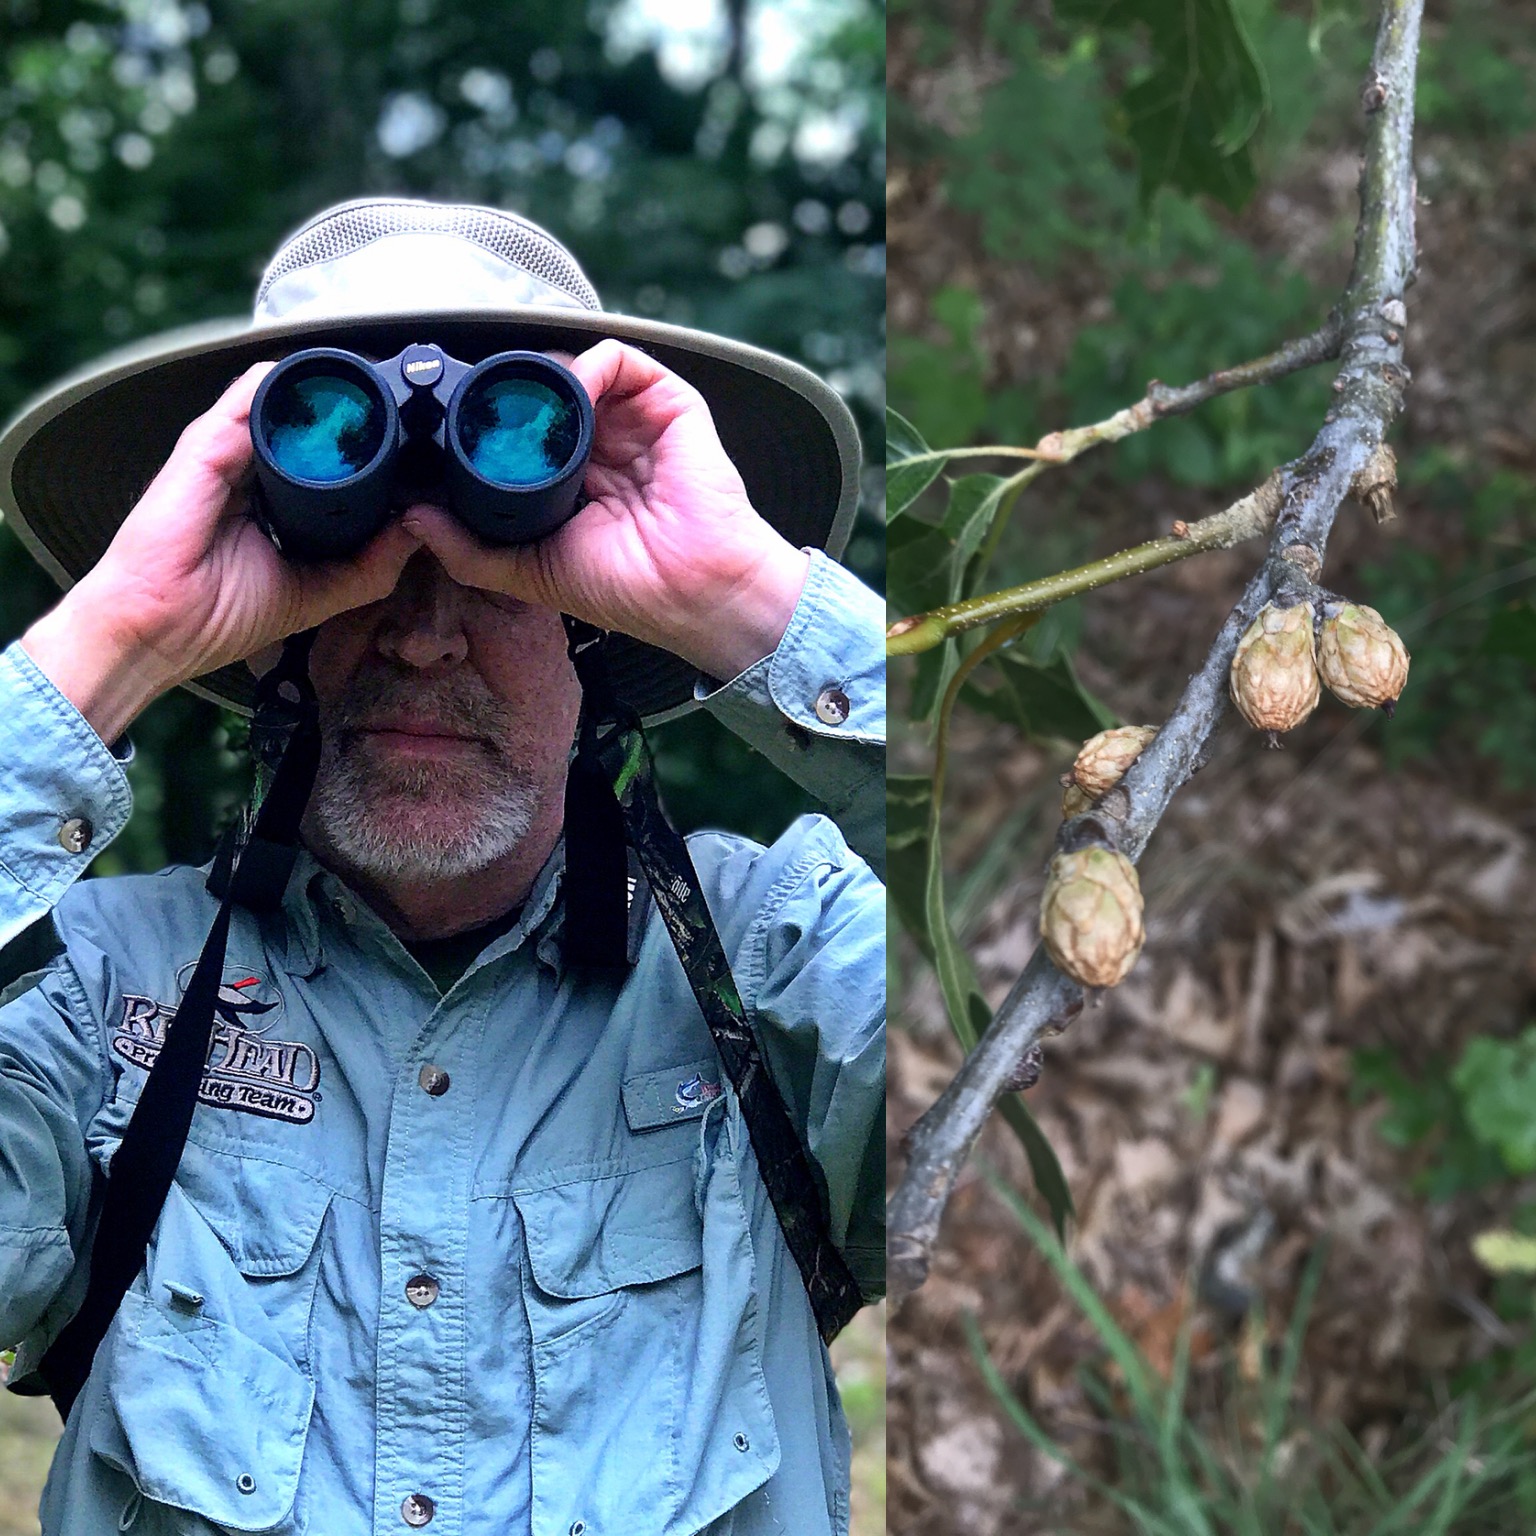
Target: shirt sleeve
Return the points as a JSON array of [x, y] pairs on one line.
[[53, 1081], [815, 708], [63, 795]]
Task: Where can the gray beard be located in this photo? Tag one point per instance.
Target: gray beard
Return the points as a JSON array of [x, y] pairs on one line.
[[372, 828], [389, 819]]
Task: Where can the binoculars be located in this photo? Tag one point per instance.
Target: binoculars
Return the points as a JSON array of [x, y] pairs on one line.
[[342, 443]]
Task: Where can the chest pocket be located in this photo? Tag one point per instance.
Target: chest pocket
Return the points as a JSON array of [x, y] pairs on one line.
[[200, 1395], [649, 1399]]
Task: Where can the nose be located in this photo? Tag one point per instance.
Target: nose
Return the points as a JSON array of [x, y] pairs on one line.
[[422, 623]]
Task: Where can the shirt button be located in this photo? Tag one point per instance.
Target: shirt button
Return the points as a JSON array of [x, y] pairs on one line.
[[421, 1290], [75, 835], [832, 706], [417, 1509], [434, 1080]]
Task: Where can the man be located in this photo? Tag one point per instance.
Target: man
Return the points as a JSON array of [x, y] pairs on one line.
[[464, 1236]]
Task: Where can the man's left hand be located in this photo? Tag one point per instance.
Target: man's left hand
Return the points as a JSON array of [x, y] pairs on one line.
[[667, 549]]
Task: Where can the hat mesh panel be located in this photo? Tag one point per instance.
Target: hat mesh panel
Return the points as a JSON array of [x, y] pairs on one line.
[[503, 234]]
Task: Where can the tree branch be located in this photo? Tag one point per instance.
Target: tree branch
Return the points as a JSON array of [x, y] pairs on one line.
[[923, 631], [1304, 352], [1370, 385], [1247, 518]]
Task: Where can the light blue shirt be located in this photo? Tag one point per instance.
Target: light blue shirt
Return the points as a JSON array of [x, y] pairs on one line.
[[495, 1261]]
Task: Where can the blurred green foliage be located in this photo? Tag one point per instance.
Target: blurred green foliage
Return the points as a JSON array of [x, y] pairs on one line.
[[1040, 159], [1471, 1122], [153, 153], [1465, 610]]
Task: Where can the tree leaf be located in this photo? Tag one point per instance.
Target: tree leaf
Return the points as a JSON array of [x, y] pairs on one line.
[[926, 562], [1044, 1166], [974, 503], [905, 482], [1045, 702], [917, 556], [1193, 115], [906, 842], [927, 565]]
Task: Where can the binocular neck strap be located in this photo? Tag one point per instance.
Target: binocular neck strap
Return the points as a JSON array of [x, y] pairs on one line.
[[612, 755], [144, 1165]]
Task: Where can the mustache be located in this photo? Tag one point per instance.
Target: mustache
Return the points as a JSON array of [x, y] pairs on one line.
[[460, 699]]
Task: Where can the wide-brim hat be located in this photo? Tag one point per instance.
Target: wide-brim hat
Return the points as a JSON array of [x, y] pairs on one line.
[[374, 275]]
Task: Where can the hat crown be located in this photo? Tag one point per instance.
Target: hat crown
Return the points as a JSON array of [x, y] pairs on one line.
[[383, 255]]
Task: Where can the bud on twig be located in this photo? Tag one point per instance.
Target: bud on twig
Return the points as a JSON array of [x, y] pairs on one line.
[[1090, 915], [1101, 764], [1361, 657], [1274, 671], [1376, 480], [1074, 801]]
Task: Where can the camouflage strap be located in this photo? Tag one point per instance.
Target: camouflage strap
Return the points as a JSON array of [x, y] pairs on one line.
[[793, 1182]]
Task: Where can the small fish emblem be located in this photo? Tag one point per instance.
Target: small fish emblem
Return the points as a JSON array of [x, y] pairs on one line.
[[694, 1092]]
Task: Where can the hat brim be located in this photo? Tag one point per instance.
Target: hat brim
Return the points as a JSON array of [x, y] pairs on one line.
[[76, 459]]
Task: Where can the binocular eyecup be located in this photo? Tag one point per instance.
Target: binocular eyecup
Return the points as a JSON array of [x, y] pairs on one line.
[[343, 443]]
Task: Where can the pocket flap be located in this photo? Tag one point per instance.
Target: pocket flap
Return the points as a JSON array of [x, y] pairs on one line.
[[202, 1418], [266, 1214], [655, 1099], [586, 1236]]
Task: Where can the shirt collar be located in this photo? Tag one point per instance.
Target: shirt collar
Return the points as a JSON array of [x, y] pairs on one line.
[[313, 890]]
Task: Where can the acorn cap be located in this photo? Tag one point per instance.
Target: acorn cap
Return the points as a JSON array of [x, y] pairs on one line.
[[1091, 915], [1274, 679], [1103, 759], [1361, 657]]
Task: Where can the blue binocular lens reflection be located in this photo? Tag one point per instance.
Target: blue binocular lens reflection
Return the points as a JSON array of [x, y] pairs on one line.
[[517, 431], [342, 443], [322, 427]]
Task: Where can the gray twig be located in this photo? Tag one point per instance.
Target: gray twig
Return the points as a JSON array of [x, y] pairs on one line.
[[1365, 332], [1304, 352]]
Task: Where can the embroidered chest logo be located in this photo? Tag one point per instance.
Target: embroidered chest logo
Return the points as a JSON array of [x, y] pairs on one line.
[[245, 1070], [697, 1090]]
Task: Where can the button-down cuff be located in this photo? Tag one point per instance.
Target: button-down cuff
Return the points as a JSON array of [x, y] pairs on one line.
[[816, 707], [63, 795]]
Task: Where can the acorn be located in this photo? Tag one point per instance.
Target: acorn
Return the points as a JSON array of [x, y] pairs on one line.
[[1090, 915], [1074, 801], [1361, 657], [1274, 671], [1101, 764]]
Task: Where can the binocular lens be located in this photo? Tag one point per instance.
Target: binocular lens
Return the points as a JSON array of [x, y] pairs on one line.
[[321, 427], [517, 431]]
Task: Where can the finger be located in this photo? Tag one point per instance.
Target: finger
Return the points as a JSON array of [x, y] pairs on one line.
[[471, 562], [613, 369], [332, 588], [219, 441]]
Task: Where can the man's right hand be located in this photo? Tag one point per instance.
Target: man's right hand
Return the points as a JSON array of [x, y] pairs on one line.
[[190, 582]]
